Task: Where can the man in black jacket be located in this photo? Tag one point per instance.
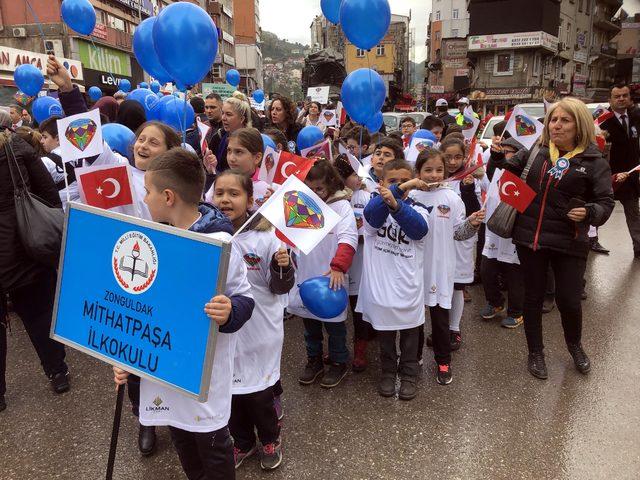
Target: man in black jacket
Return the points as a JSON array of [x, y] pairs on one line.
[[624, 133]]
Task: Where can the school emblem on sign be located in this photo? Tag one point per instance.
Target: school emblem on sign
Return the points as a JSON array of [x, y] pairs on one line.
[[134, 262]]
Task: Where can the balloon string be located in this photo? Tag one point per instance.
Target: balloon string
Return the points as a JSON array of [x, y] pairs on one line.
[[183, 124], [37, 20]]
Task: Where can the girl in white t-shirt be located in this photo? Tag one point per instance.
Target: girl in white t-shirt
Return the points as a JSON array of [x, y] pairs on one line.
[[259, 348], [447, 227], [470, 191], [332, 257], [363, 332]]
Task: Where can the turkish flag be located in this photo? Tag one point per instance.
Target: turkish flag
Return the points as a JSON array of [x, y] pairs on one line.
[[604, 117], [515, 192], [106, 187], [290, 164]]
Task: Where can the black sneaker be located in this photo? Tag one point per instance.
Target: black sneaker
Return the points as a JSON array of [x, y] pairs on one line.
[[60, 382], [312, 371], [387, 386], [408, 388], [146, 440], [597, 247], [583, 364], [548, 304], [3, 403], [537, 366], [456, 340], [443, 375], [334, 375]]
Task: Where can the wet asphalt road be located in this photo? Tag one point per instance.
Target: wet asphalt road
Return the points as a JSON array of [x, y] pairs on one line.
[[494, 421]]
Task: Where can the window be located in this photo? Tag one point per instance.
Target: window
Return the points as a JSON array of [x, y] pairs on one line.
[[535, 71], [454, 32], [380, 50], [117, 23], [503, 64], [568, 33], [438, 36], [437, 15], [359, 53], [456, 13], [580, 2], [587, 9]]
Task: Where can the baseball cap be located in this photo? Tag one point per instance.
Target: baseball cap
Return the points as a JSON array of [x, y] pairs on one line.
[[464, 100], [441, 102]]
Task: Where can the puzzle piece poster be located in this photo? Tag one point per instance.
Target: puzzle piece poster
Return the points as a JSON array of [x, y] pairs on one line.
[[80, 136]]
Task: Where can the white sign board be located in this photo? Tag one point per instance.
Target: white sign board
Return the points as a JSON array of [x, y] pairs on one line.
[[319, 94], [509, 41]]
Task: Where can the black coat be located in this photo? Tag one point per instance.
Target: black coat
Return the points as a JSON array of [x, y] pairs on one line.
[[544, 224], [625, 154], [16, 268]]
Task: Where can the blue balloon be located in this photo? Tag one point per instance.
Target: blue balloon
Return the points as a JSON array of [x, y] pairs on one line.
[[258, 96], [124, 85], [45, 107], [145, 51], [119, 138], [28, 79], [309, 136], [331, 10], [155, 86], [172, 112], [426, 134], [176, 94], [321, 300], [375, 123], [154, 112], [267, 141], [363, 93], [160, 94], [79, 15], [186, 40], [144, 97], [95, 93], [365, 22], [233, 77]]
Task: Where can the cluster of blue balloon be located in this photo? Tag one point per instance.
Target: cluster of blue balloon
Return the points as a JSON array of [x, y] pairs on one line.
[[363, 93]]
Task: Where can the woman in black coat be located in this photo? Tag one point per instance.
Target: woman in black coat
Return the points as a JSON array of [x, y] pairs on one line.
[[29, 284], [573, 189]]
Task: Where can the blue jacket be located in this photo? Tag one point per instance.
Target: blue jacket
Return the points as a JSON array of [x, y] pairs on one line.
[[213, 221], [411, 222]]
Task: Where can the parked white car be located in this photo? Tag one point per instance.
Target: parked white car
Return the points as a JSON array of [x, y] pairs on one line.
[[487, 133]]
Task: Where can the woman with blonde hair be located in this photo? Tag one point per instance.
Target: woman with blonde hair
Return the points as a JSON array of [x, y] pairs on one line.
[[236, 114], [573, 189]]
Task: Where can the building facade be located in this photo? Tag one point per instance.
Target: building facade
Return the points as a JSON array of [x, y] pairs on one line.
[[447, 69], [603, 52], [222, 13], [247, 38]]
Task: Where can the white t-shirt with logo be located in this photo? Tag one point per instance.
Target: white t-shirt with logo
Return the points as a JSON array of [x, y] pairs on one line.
[[161, 405], [447, 213], [359, 200], [318, 262], [259, 347], [391, 293]]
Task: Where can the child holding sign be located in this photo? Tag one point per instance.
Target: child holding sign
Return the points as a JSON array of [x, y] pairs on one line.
[[257, 360], [174, 182]]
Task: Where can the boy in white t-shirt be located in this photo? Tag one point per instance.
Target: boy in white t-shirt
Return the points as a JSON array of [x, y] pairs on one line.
[[391, 295], [174, 182]]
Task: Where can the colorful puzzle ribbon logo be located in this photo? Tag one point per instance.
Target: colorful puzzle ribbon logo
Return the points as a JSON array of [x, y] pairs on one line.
[[80, 133], [524, 126], [251, 259], [467, 123], [301, 211]]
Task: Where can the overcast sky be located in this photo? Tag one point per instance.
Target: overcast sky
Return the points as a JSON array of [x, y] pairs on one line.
[[291, 19]]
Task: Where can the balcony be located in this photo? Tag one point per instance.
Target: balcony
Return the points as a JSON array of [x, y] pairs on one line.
[[608, 50], [113, 37]]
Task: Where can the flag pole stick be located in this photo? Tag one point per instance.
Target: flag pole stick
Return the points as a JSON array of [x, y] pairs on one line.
[[114, 432]]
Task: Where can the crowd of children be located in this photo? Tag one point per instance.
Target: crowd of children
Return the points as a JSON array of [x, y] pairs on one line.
[[405, 247]]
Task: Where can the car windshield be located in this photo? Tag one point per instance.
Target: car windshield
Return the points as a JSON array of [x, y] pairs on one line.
[[536, 111], [488, 131], [390, 121], [418, 117]]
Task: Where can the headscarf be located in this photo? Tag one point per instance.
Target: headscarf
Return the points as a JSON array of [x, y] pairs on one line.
[[5, 119], [108, 107], [131, 114]]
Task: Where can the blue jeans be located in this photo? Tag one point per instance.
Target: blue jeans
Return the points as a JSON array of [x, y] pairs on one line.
[[337, 332]]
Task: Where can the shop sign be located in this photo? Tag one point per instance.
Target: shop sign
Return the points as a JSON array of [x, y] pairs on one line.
[[454, 48], [12, 58], [509, 41], [100, 31], [436, 89], [97, 57]]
